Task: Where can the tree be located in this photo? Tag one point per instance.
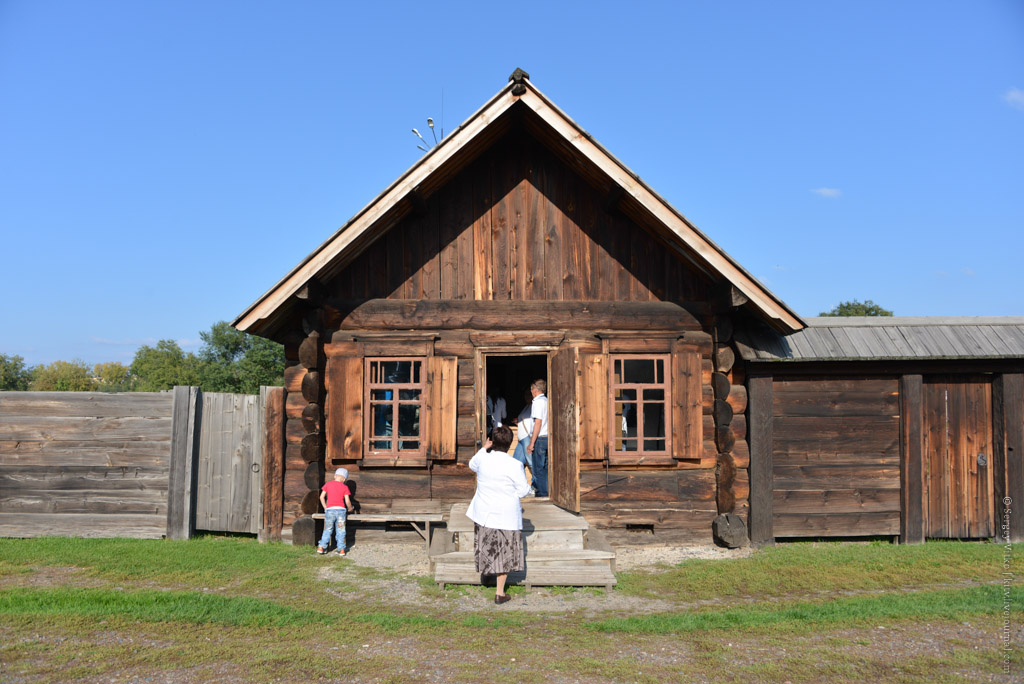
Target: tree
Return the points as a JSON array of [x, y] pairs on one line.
[[112, 377], [63, 376], [14, 375], [234, 361], [164, 366], [856, 308]]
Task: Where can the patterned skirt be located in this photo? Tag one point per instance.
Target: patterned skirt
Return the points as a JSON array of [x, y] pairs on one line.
[[497, 552]]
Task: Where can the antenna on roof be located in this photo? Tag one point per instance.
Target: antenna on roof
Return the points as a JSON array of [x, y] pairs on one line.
[[427, 145]]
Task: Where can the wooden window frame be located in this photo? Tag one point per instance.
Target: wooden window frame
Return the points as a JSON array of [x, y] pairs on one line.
[[370, 439], [641, 455]]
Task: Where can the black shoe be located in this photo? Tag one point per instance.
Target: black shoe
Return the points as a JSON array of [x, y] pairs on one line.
[[502, 598]]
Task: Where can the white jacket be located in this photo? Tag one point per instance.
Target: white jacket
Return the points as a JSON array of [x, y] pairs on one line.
[[500, 483]]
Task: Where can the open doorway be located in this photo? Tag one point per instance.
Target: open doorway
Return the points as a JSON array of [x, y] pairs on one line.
[[509, 378]]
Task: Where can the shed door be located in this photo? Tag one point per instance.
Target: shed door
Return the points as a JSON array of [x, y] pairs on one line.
[[564, 424], [957, 429]]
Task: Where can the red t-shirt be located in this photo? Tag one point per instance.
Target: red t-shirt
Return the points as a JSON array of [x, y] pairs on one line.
[[336, 493]]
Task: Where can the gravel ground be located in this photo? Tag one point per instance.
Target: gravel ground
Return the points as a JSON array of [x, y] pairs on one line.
[[408, 559]]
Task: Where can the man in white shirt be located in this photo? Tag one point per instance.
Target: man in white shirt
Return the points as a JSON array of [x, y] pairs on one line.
[[524, 430], [538, 445]]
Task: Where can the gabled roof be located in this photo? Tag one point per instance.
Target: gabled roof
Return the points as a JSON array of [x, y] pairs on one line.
[[475, 134], [882, 338]]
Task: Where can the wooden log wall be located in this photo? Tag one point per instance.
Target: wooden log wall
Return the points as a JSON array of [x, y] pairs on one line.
[[305, 395], [729, 406], [84, 464], [679, 502], [671, 508], [835, 456]]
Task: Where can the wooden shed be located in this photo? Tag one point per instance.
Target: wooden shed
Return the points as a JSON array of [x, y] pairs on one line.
[[901, 426], [519, 248]]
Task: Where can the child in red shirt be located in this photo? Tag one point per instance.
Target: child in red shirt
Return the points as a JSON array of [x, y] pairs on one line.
[[336, 499]]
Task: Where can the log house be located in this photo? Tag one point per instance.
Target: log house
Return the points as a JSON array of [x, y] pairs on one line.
[[519, 248]]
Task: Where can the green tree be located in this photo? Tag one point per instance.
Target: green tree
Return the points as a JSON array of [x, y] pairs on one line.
[[63, 376], [112, 377], [856, 308], [234, 361], [164, 366], [13, 373]]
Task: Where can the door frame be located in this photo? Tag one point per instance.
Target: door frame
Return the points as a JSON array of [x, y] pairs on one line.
[[482, 353]]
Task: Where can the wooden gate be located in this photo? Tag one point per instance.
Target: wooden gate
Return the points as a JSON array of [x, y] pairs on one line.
[[958, 485], [230, 458]]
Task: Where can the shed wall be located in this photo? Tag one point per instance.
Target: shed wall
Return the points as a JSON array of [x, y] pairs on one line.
[[836, 457]]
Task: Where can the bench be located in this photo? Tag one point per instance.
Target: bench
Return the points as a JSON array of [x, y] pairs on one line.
[[395, 516]]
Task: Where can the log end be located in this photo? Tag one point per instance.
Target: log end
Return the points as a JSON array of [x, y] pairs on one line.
[[729, 530]]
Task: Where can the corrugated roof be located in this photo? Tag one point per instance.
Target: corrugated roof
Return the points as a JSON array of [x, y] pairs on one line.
[[861, 338]]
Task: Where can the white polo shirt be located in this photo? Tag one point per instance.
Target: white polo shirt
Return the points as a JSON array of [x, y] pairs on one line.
[[539, 411]]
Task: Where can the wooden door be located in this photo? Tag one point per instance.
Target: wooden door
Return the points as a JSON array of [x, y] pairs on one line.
[[564, 427], [958, 485], [228, 479]]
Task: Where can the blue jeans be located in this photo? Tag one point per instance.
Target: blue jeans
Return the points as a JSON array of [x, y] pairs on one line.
[[334, 518], [540, 466], [521, 455]]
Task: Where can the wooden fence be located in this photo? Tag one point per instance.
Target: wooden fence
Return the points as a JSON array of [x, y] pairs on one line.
[[144, 465]]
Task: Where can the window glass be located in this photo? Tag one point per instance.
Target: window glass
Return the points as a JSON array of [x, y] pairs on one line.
[[394, 392], [639, 405]]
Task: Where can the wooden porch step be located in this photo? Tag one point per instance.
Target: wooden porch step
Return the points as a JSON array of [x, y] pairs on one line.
[[561, 550], [540, 515]]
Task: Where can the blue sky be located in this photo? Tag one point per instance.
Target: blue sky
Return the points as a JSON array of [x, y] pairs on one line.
[[162, 164]]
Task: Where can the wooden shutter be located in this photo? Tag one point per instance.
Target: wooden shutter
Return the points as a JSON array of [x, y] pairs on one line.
[[344, 420], [687, 418], [441, 407], [564, 426], [593, 407]]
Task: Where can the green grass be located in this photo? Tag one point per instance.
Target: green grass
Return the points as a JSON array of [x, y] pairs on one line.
[[153, 606], [204, 561], [214, 607], [799, 617], [807, 568]]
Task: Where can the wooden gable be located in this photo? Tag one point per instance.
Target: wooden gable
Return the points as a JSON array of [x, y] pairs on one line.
[[519, 224], [440, 191]]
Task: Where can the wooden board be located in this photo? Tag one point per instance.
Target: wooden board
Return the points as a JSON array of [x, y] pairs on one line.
[[835, 456], [441, 405], [957, 427], [344, 419], [229, 461], [563, 455]]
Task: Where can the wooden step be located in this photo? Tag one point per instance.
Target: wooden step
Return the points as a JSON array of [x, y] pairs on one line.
[[545, 526], [561, 550], [540, 515]]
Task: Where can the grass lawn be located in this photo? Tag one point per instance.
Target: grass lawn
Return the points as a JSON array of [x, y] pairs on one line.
[[231, 609]]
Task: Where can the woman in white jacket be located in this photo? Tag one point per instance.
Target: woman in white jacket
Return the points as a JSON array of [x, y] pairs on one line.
[[497, 512]]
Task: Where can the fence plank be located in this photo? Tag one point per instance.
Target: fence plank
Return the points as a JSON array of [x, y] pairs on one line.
[[273, 464], [82, 525], [72, 428], [180, 522], [86, 404]]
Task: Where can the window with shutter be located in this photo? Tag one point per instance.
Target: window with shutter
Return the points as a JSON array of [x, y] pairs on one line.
[[639, 390], [394, 394]]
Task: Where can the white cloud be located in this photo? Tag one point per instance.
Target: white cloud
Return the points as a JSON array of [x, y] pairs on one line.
[[831, 193], [969, 272], [1015, 98]]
